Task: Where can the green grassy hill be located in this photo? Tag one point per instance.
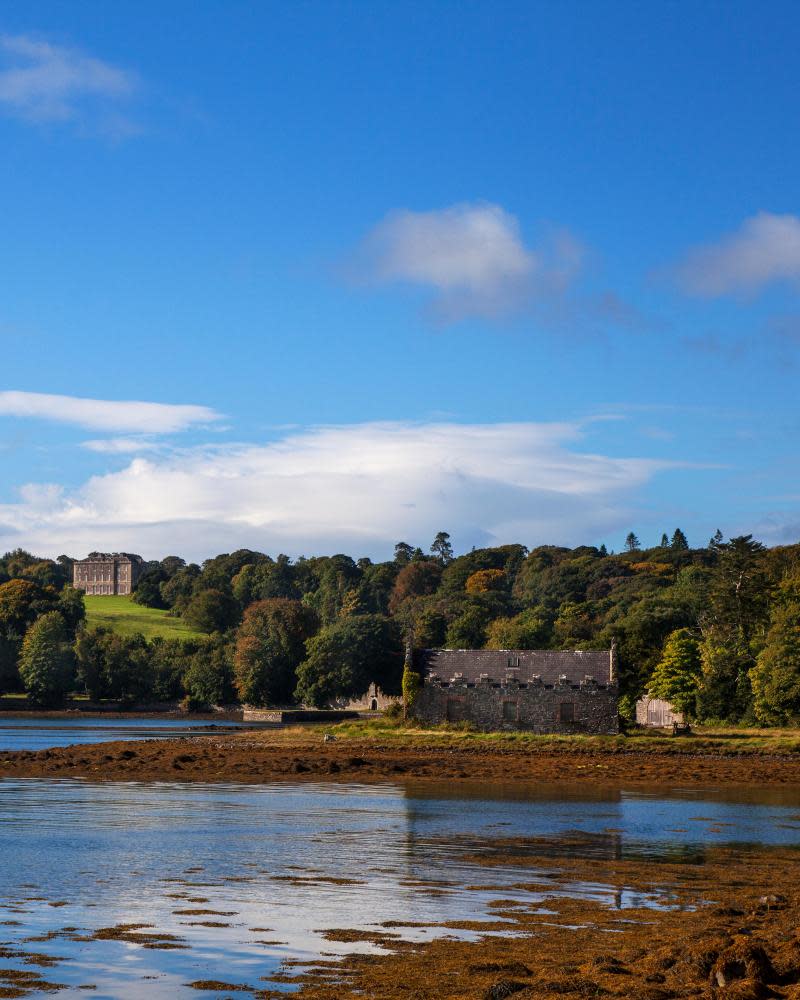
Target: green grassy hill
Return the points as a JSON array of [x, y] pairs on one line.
[[127, 618]]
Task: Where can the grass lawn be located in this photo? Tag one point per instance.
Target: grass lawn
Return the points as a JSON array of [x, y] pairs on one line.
[[127, 618], [704, 739]]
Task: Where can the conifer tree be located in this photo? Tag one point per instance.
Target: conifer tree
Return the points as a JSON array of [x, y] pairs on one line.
[[676, 677], [442, 548], [632, 542], [679, 541]]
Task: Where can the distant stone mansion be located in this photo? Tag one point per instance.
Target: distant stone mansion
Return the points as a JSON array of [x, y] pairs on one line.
[[542, 690], [111, 573]]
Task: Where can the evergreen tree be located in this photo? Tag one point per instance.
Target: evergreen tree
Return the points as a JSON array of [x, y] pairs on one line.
[[403, 553], [676, 677], [603, 550], [733, 626], [46, 663], [679, 542], [664, 541], [442, 549], [632, 542]]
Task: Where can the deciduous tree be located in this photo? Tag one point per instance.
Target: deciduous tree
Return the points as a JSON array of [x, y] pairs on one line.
[[212, 611], [47, 663], [270, 645], [346, 657]]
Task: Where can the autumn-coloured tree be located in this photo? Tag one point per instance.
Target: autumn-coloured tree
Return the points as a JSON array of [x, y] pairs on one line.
[[417, 579]]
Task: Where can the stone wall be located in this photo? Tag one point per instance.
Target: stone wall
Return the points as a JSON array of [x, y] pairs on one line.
[[374, 700], [292, 715], [564, 708]]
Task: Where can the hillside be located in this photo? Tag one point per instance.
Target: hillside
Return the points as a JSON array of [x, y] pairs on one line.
[[127, 618]]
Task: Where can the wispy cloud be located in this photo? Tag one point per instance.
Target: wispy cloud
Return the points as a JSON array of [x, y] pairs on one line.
[[109, 416], [121, 445], [43, 82], [356, 488], [763, 251], [471, 258]]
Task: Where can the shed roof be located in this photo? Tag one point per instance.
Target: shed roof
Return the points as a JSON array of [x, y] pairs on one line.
[[522, 664]]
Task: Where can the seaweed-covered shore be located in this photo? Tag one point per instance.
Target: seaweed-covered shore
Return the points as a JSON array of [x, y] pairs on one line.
[[733, 933], [303, 753]]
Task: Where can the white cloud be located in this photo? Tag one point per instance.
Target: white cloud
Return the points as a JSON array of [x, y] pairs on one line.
[[110, 416], [765, 250], [43, 82], [120, 445], [356, 488], [472, 258]]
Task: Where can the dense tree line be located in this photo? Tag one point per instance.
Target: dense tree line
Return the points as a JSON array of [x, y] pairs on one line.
[[714, 629]]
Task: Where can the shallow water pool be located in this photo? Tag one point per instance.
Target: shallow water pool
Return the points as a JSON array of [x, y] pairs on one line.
[[42, 734], [247, 877]]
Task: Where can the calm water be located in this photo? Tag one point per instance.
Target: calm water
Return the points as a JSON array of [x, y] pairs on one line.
[[280, 864], [41, 734]]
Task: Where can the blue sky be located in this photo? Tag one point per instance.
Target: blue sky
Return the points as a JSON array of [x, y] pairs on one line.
[[524, 272]]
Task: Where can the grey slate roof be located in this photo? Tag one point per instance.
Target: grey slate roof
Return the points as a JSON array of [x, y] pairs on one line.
[[522, 664]]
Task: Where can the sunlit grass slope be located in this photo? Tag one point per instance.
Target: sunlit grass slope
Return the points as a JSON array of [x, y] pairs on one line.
[[127, 618]]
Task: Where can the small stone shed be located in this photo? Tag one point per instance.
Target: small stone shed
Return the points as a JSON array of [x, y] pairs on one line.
[[657, 713], [541, 690]]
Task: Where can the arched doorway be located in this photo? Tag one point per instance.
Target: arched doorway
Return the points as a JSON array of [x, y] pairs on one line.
[[373, 705]]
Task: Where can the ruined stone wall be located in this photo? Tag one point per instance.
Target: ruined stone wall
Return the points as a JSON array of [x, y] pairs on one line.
[[373, 701], [560, 708]]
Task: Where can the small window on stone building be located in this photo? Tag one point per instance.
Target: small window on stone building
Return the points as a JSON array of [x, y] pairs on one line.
[[455, 710], [566, 711], [510, 710]]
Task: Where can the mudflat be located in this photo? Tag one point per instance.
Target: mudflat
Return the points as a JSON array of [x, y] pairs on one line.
[[371, 754]]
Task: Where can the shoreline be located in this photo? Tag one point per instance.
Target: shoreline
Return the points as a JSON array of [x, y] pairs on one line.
[[255, 756]]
